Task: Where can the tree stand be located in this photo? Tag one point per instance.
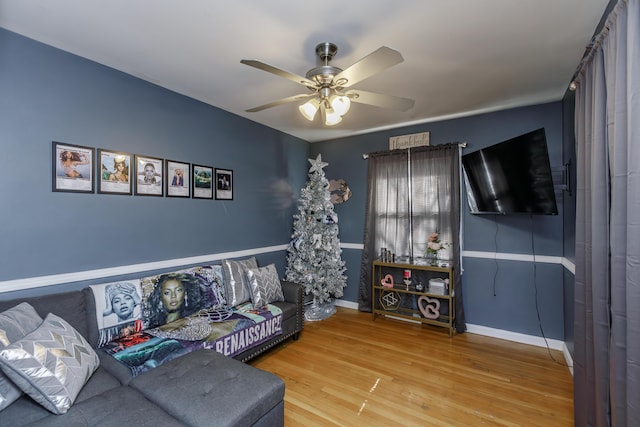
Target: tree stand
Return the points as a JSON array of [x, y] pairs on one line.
[[319, 311]]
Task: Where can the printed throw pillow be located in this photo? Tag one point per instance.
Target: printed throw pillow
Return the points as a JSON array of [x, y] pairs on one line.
[[171, 296], [118, 309], [265, 285], [235, 281], [15, 324], [51, 364]]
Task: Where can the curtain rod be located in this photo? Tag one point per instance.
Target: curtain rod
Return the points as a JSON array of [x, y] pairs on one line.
[[605, 24], [365, 156]]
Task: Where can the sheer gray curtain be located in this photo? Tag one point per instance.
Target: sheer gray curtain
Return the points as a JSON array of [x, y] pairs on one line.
[[392, 223], [607, 288]]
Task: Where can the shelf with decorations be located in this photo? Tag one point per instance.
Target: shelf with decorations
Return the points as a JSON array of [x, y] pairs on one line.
[[414, 292]]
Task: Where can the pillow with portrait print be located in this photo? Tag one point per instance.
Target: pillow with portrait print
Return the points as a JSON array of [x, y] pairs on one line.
[[235, 280], [118, 309], [15, 324], [265, 285], [171, 296], [51, 364]]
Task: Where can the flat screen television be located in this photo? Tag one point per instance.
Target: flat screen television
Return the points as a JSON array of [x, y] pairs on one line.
[[511, 177]]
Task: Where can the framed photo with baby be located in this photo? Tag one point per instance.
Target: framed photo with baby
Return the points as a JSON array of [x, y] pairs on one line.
[[178, 183], [224, 184], [115, 172], [201, 179], [149, 176], [72, 168]]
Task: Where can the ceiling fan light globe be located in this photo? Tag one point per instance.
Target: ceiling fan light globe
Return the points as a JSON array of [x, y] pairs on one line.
[[309, 109], [332, 118], [340, 104]]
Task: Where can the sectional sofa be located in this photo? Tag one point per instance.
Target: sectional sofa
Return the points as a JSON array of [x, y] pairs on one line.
[[168, 376]]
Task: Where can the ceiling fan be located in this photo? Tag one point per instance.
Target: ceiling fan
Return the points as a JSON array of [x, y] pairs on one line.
[[330, 87]]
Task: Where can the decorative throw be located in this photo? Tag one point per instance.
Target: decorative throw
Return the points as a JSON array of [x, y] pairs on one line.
[[15, 324], [118, 309], [235, 281], [171, 296], [212, 284], [141, 351], [51, 364], [227, 332], [264, 284]]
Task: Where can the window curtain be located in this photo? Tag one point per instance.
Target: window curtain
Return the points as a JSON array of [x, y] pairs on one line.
[[607, 274], [401, 225]]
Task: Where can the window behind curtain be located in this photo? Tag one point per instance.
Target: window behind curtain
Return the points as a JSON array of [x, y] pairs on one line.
[[392, 220]]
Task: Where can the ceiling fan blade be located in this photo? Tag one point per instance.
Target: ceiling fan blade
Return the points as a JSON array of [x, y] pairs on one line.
[[379, 100], [278, 72], [371, 64], [293, 98]]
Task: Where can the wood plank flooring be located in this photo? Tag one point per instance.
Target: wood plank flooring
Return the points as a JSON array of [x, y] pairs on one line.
[[349, 370]]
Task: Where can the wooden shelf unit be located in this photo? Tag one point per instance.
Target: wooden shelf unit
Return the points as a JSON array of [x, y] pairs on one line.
[[402, 302]]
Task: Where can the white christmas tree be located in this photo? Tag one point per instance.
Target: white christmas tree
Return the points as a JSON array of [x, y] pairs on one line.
[[314, 256]]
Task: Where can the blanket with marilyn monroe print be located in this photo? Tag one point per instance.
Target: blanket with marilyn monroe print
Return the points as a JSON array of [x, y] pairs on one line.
[[229, 332]]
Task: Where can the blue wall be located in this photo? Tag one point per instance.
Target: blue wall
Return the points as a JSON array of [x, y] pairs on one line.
[[499, 294], [50, 95]]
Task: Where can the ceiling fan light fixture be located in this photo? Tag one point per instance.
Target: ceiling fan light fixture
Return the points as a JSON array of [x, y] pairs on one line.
[[328, 85], [331, 117], [340, 104], [309, 109]]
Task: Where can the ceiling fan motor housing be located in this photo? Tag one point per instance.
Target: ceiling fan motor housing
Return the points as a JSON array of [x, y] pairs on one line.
[[326, 51]]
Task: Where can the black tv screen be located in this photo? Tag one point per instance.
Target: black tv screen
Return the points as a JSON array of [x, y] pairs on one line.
[[511, 177]]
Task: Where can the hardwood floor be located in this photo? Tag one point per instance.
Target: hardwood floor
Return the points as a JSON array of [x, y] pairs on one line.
[[349, 370]]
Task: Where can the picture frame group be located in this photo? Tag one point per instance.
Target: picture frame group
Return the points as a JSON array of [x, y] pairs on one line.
[[82, 169]]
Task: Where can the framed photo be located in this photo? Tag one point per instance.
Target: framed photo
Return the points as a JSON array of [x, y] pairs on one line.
[[178, 182], [224, 184], [115, 172], [72, 168], [202, 177], [149, 176]]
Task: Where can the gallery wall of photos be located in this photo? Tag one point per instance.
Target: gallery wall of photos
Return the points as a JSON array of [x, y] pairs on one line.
[[81, 169]]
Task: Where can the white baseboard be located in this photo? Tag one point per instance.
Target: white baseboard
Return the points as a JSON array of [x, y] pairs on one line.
[[346, 304], [568, 358], [515, 336]]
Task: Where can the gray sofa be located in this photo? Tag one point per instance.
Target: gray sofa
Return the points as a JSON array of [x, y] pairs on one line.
[[200, 388]]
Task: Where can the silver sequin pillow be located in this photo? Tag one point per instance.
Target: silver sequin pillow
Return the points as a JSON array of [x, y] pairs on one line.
[[265, 285], [236, 286], [15, 324], [51, 364]]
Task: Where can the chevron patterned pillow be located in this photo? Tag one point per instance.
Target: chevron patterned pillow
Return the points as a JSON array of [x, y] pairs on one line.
[[51, 364], [265, 285], [15, 323]]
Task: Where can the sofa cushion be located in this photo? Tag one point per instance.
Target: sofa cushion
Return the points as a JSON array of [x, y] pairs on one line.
[[211, 389], [122, 406], [22, 412], [117, 308], [117, 369], [69, 305], [51, 364], [15, 324], [264, 284], [235, 280]]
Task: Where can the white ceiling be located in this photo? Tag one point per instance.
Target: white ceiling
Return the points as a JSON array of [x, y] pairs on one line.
[[461, 57]]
